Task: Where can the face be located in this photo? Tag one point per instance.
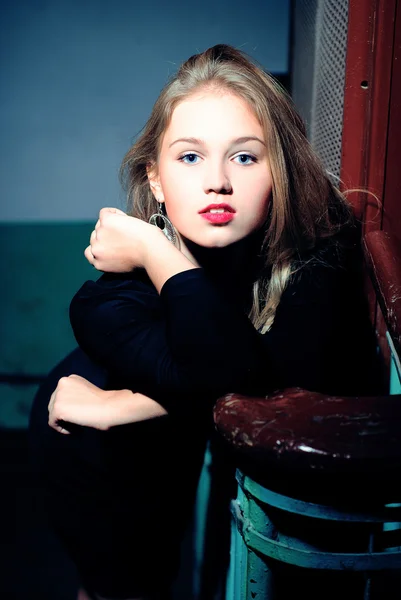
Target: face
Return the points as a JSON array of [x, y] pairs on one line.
[[213, 171]]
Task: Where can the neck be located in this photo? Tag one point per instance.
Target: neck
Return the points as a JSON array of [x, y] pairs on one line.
[[234, 266]]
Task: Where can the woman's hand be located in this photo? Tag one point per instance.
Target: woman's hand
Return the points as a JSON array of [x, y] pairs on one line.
[[76, 400], [119, 243]]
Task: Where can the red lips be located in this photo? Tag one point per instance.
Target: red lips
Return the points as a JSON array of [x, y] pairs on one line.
[[225, 215], [224, 206]]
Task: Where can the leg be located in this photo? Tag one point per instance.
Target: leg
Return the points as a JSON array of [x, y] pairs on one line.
[[118, 500]]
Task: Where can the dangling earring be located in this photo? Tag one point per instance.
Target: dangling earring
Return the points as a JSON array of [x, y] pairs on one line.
[[163, 222]]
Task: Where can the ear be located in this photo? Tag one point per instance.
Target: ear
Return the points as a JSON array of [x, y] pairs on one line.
[[154, 181]]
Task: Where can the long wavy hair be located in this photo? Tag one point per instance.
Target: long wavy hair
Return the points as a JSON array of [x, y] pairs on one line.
[[305, 206]]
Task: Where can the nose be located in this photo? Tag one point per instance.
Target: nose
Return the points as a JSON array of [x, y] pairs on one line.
[[217, 180]]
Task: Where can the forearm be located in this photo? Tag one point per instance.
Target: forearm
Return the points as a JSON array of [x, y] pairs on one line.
[[78, 401], [125, 406], [162, 260]]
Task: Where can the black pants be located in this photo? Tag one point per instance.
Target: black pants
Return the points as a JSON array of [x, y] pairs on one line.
[[120, 499]]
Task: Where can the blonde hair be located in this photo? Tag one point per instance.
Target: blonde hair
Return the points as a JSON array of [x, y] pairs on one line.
[[305, 206]]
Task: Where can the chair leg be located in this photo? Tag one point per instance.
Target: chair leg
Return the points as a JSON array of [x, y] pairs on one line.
[[249, 575]]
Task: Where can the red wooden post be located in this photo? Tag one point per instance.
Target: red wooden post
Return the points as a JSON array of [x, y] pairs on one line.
[[366, 103], [370, 153]]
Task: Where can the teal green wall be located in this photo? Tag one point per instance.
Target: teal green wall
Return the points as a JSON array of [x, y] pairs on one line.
[[42, 266]]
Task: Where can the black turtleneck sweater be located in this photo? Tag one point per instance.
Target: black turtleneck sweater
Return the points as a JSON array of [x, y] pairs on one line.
[[194, 341]]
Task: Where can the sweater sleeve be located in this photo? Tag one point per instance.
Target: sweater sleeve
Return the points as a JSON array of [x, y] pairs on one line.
[[188, 342]]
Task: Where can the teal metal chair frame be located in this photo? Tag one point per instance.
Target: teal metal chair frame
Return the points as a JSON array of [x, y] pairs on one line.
[[256, 540]]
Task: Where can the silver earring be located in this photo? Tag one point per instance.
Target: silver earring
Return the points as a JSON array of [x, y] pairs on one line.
[[163, 222]]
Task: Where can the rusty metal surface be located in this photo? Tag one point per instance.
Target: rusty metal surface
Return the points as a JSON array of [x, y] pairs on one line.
[[391, 200], [368, 96], [383, 257], [357, 98], [377, 151], [300, 428]]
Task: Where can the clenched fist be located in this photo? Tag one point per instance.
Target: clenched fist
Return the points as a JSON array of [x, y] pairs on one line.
[[119, 243], [76, 400]]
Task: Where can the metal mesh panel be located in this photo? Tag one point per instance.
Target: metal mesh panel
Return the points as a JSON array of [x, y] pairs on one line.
[[318, 84], [303, 62], [326, 133]]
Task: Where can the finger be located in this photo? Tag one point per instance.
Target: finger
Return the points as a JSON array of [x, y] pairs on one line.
[[111, 209], [52, 419], [104, 211], [55, 422], [97, 225], [75, 377], [52, 398], [92, 237], [61, 430], [88, 255], [52, 422]]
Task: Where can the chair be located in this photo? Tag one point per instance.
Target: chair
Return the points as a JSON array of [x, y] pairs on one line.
[[317, 510]]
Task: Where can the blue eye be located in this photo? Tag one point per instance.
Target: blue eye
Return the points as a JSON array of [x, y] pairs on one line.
[[189, 159], [245, 159]]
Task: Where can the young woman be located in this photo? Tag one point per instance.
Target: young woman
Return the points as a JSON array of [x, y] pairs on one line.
[[248, 282]]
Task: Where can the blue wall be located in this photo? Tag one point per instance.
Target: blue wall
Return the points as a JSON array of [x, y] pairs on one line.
[[78, 80]]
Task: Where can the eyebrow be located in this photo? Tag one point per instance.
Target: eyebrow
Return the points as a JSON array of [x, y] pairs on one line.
[[198, 142]]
